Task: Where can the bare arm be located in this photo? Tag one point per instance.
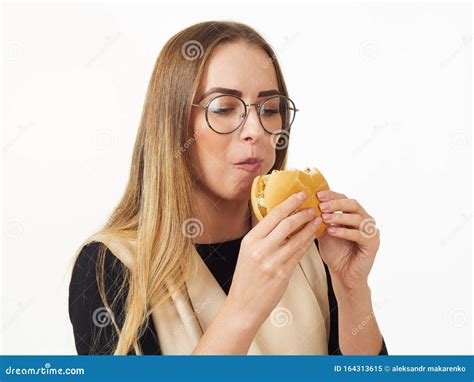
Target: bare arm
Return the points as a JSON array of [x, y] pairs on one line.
[[228, 334], [358, 329], [348, 248], [264, 267]]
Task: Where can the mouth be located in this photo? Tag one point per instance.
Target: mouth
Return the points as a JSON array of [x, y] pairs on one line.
[[250, 165]]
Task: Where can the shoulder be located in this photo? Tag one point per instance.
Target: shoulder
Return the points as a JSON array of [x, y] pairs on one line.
[[91, 255], [87, 312], [94, 259]]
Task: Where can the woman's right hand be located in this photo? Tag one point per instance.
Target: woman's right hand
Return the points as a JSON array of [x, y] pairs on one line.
[[268, 255]]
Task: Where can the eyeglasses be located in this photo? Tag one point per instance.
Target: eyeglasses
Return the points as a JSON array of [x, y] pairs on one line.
[[226, 113]]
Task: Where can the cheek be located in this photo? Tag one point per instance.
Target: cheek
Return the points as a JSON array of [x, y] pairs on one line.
[[212, 164], [209, 158], [270, 157], [211, 150]]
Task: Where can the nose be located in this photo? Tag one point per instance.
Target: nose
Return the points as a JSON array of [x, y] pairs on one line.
[[251, 128]]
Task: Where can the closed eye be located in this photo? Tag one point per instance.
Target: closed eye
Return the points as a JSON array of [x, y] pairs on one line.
[[222, 111], [270, 111]]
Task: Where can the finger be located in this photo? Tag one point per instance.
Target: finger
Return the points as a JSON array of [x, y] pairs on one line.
[[278, 213], [296, 257], [329, 195], [344, 205], [308, 233], [288, 226], [348, 220], [353, 234]]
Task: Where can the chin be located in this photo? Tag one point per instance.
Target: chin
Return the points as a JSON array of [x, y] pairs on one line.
[[238, 193]]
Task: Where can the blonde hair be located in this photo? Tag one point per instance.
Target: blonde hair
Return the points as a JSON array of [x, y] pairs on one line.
[[157, 199]]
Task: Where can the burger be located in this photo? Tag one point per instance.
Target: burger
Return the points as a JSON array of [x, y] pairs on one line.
[[272, 189]]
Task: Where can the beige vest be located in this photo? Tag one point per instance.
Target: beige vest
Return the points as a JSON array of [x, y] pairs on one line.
[[299, 324]]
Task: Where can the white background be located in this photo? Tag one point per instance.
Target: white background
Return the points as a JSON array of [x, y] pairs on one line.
[[385, 98]]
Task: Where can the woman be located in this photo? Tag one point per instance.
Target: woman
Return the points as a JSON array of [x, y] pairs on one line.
[[181, 267]]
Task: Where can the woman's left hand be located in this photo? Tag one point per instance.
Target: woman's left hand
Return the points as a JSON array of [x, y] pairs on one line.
[[349, 245]]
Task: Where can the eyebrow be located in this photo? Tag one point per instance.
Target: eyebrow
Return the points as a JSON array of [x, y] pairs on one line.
[[238, 93]]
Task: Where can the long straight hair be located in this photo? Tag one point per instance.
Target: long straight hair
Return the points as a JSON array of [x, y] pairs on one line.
[[158, 196]]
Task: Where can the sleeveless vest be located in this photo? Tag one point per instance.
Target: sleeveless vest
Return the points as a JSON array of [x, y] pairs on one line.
[[299, 324]]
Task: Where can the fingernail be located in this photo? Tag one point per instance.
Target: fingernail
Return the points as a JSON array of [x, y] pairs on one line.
[[324, 206], [311, 211], [322, 194], [332, 230], [327, 217], [301, 195], [317, 221]]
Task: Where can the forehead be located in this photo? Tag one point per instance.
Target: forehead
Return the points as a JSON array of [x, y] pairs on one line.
[[240, 66]]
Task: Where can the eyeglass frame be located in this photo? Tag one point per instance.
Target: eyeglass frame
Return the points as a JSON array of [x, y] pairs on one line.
[[247, 108]]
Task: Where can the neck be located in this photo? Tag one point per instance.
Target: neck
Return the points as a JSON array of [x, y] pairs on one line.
[[222, 220]]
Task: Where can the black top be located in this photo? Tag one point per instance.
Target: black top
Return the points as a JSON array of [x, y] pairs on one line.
[[93, 329]]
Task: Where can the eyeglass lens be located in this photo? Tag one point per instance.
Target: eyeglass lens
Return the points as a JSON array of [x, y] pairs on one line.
[[226, 113]]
